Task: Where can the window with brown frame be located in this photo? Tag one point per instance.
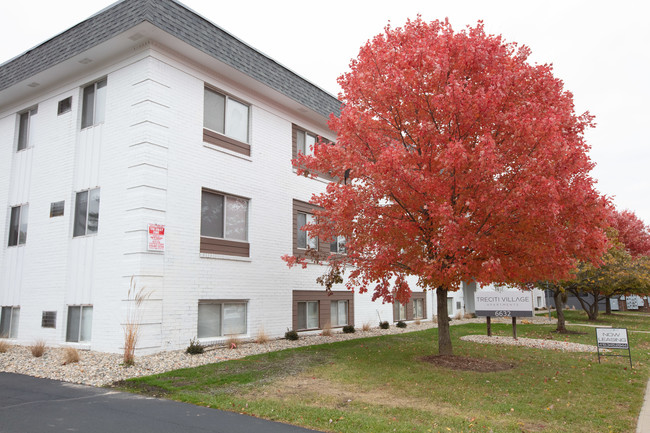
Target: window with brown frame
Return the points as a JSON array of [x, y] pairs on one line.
[[226, 121], [224, 224], [314, 309], [303, 214], [416, 308], [303, 142]]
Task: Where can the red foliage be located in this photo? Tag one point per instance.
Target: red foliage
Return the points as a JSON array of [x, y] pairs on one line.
[[465, 162], [632, 232]]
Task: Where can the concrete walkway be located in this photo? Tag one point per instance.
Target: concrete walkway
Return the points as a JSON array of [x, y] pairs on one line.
[[643, 424]]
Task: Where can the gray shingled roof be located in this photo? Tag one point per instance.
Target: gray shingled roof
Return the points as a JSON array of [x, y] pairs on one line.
[[180, 22]]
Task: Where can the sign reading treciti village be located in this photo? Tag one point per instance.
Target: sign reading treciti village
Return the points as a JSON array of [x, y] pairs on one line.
[[503, 304]]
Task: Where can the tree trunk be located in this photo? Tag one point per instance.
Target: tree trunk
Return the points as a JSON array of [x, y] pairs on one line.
[[444, 337], [559, 308], [608, 306], [593, 308]]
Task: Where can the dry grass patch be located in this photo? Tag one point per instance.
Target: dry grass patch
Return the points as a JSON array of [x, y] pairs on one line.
[[262, 337], [4, 346], [366, 327], [38, 348], [327, 330], [70, 356], [233, 342]]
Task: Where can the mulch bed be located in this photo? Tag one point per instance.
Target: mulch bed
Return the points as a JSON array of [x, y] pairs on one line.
[[480, 365]]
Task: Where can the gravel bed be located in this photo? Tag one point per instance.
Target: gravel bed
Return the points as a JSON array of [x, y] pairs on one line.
[[98, 368], [563, 346]]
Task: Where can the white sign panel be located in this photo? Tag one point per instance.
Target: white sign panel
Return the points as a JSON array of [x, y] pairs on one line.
[[503, 304], [156, 237], [633, 302], [612, 338]]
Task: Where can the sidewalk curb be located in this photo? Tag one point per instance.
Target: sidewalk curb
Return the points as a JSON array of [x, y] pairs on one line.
[[643, 424]]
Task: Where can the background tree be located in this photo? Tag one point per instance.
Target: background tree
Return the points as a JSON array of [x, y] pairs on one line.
[[458, 161]]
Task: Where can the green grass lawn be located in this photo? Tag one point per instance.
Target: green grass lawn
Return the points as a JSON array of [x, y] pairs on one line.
[[633, 321], [381, 385]]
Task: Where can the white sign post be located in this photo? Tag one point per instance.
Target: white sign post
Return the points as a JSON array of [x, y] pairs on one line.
[[613, 338], [512, 303], [156, 237]]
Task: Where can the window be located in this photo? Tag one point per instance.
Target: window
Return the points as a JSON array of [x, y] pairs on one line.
[[228, 118], [308, 315], [86, 212], [48, 319], [56, 209], [338, 245], [80, 321], [400, 311], [339, 313], [224, 216], [9, 322], [418, 308], [217, 319], [24, 127], [312, 309], [65, 105], [450, 305], [93, 104], [305, 142], [18, 225], [304, 240]]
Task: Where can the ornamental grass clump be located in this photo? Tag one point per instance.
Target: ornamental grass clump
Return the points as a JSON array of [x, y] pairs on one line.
[[38, 348], [70, 356], [4, 346], [135, 298]]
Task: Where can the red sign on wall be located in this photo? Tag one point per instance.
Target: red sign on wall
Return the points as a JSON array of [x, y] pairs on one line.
[[156, 237]]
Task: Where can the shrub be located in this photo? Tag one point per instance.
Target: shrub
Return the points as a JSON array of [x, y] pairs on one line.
[[291, 335], [327, 330], [195, 347], [38, 348], [348, 329], [401, 324], [384, 325], [4, 346], [366, 327], [70, 355], [417, 322], [262, 337]]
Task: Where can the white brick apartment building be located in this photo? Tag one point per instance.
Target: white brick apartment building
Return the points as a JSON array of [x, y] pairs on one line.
[[146, 113]]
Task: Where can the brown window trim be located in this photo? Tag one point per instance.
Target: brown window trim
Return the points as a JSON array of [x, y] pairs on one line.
[[410, 312], [221, 140], [324, 301], [225, 247]]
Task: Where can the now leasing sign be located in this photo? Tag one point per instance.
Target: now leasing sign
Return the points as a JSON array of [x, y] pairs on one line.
[[503, 304], [612, 338]]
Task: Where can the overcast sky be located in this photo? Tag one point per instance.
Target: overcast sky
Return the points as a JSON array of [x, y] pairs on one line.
[[599, 48]]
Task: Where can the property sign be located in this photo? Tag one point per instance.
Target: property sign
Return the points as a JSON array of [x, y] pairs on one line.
[[156, 237], [503, 304], [612, 338]]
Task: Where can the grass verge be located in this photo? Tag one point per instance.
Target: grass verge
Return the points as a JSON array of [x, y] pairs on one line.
[[381, 385]]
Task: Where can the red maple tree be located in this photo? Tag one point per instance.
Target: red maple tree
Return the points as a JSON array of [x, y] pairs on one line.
[[632, 232], [458, 160]]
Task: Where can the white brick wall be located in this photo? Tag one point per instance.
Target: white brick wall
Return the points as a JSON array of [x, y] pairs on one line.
[[151, 163]]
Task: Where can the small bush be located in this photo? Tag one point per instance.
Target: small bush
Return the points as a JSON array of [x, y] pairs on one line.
[[233, 342], [348, 329], [365, 327], [262, 337], [70, 356], [4, 346], [384, 325], [195, 347], [401, 324], [38, 348], [327, 330], [291, 335]]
